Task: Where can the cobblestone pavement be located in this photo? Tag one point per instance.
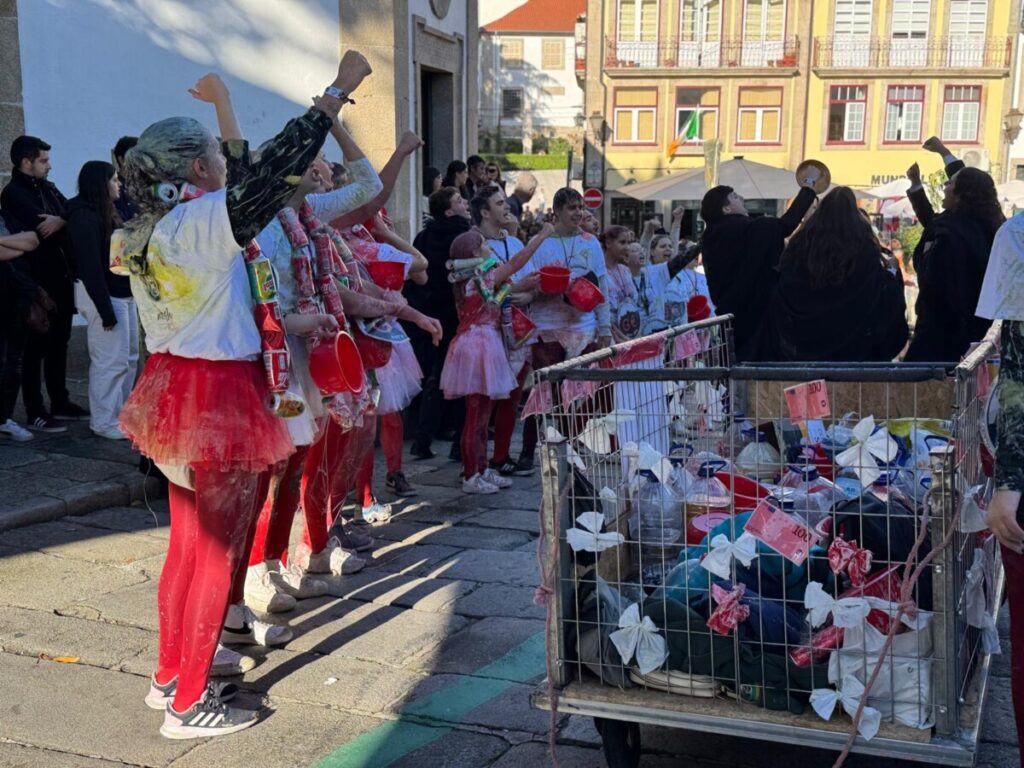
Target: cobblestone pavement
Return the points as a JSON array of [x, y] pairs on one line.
[[426, 658]]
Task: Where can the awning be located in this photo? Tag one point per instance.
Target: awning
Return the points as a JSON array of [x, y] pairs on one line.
[[753, 181]]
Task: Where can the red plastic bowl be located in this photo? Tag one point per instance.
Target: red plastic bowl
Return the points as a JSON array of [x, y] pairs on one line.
[[700, 526], [697, 308], [554, 279], [746, 493], [374, 353], [336, 366], [387, 274], [584, 295]]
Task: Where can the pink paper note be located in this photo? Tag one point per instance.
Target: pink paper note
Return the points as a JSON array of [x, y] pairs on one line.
[[808, 401], [783, 533]]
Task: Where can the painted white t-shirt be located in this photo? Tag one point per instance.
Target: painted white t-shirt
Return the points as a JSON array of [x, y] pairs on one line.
[[684, 286], [205, 309], [507, 247], [581, 254], [650, 290]]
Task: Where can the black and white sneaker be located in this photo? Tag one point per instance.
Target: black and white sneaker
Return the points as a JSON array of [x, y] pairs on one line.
[[46, 423], [207, 717], [523, 467], [160, 696]]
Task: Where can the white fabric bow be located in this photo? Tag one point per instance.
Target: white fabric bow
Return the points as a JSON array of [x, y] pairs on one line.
[[861, 455], [845, 612], [597, 433], [976, 612], [972, 516], [588, 536], [640, 638], [723, 551], [824, 700]]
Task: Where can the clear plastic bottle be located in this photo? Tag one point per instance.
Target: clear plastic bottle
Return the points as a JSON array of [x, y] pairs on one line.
[[707, 492], [759, 459], [739, 434], [813, 495], [656, 526]]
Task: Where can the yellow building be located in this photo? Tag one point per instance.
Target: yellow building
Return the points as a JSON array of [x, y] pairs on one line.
[[858, 84]]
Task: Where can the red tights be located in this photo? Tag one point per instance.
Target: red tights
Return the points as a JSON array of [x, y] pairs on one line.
[[505, 412], [1014, 565], [474, 434], [274, 524], [392, 435], [209, 532]]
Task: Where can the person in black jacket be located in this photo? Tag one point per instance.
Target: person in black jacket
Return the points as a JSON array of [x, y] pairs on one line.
[[103, 298], [951, 259], [32, 203], [449, 218], [740, 257], [836, 299]]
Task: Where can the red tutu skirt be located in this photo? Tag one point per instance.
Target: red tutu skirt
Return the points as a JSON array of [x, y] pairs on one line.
[[205, 414]]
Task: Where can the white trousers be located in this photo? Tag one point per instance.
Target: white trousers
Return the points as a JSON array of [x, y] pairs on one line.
[[113, 358]]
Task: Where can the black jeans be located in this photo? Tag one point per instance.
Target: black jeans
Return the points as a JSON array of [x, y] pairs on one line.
[[12, 345], [47, 354]]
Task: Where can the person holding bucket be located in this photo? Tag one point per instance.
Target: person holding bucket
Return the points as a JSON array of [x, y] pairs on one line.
[[477, 366]]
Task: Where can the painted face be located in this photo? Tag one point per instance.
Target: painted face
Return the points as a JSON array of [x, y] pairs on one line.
[[114, 187]]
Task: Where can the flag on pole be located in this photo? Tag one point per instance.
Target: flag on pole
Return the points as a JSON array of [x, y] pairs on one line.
[[689, 132]]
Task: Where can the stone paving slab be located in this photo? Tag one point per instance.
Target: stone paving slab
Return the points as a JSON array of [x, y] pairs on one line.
[[499, 600], [38, 580], [518, 568], [67, 538], [481, 643], [17, 756]]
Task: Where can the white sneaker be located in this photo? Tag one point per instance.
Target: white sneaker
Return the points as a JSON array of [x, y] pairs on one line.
[[476, 484], [228, 663], [112, 433], [241, 627], [295, 582], [263, 593], [492, 477], [312, 562], [207, 717], [377, 513], [343, 562], [15, 431]]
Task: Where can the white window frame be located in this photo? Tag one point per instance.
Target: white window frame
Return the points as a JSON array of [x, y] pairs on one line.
[[638, 18], [958, 109], [680, 108], [701, 47], [760, 112], [968, 27], [909, 33], [860, 105], [851, 33], [900, 103]]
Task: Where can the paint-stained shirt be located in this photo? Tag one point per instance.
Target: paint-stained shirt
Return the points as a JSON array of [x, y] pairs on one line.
[[1010, 447]]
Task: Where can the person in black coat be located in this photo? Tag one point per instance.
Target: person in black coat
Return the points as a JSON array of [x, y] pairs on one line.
[[449, 213], [31, 202], [837, 298], [951, 259], [103, 298], [740, 257]]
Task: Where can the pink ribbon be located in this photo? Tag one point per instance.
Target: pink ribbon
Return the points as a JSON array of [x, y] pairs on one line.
[[730, 610], [847, 556]]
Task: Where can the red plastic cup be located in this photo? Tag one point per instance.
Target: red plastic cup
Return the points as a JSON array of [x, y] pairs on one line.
[[336, 366], [387, 274], [553, 279], [697, 308], [584, 295]]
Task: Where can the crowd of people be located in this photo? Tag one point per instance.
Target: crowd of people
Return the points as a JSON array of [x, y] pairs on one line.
[[246, 269]]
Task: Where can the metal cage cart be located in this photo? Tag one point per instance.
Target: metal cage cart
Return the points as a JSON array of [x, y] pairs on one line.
[[728, 548]]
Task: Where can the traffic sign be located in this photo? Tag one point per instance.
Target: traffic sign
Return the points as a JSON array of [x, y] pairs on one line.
[[593, 198]]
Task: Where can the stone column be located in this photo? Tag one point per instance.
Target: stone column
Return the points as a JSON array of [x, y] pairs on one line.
[[12, 112]]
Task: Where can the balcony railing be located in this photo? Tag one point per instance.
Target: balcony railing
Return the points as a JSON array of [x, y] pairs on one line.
[[684, 54], [937, 53]]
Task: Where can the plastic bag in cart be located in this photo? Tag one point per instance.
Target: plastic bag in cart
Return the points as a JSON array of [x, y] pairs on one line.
[[903, 689]]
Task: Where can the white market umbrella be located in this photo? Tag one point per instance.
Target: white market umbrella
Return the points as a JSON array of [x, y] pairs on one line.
[[1012, 192], [753, 181], [895, 188], [901, 208], [859, 194]]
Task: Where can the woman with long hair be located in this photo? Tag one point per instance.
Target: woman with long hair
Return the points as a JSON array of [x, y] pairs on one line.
[[950, 261], [103, 298], [494, 177], [836, 298], [456, 175]]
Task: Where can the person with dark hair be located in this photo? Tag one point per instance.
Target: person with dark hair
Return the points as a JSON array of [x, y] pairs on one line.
[[103, 298], [431, 181], [339, 175], [741, 254], [493, 174], [456, 175], [31, 202], [449, 213], [477, 169], [199, 408], [18, 291], [124, 207], [951, 259], [837, 298]]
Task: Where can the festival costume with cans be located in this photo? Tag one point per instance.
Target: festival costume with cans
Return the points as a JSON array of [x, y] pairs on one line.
[[200, 403]]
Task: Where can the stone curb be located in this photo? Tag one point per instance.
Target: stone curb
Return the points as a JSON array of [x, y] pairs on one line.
[[81, 499]]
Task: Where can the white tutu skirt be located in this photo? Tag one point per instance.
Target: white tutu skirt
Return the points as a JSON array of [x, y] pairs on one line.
[[399, 380], [477, 364], [304, 428]]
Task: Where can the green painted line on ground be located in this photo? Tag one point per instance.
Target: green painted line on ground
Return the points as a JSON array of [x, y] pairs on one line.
[[394, 739]]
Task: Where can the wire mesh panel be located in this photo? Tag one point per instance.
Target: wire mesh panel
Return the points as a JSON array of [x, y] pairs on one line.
[[749, 549]]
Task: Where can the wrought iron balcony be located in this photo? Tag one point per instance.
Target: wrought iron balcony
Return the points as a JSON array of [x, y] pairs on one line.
[[685, 54], [936, 53]]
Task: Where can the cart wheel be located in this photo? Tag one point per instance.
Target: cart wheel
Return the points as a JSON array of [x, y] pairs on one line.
[[621, 742]]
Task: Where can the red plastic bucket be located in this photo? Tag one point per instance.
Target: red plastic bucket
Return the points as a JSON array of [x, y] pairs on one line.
[[387, 274], [335, 365], [584, 295], [699, 527], [697, 308], [554, 279], [746, 493], [374, 353]]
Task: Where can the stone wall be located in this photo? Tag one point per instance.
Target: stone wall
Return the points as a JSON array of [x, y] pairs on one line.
[[12, 113]]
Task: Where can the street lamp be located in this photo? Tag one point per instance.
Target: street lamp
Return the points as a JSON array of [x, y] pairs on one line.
[[1011, 125], [598, 127], [593, 173]]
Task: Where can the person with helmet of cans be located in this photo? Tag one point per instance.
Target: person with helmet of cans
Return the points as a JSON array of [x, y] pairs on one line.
[[199, 409]]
